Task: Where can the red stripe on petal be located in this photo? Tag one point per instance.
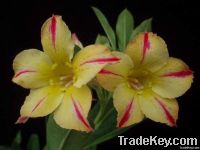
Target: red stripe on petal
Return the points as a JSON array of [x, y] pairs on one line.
[[126, 115], [23, 72], [38, 104], [80, 116], [102, 60], [178, 74], [106, 72], [168, 115], [21, 119], [146, 46], [53, 30]]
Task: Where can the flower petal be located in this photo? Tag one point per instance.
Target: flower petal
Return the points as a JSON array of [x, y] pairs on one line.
[[73, 111], [21, 119], [41, 102], [126, 103], [173, 80], [115, 73], [56, 39], [76, 41], [32, 68], [89, 61], [159, 109], [148, 50]]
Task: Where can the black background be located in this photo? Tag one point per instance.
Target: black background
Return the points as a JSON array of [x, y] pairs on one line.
[[177, 21]]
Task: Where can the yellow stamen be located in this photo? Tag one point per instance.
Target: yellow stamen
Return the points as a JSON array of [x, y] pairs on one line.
[[65, 77], [54, 66], [69, 83], [136, 84]]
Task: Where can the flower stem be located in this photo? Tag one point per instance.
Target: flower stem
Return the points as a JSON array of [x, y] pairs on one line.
[[104, 98]]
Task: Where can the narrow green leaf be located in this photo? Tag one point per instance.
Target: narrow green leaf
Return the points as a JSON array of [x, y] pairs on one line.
[[102, 40], [106, 127], [33, 143], [106, 137], [18, 138], [17, 142], [145, 26], [106, 26], [105, 103], [93, 113], [125, 24], [56, 135], [106, 131], [75, 141]]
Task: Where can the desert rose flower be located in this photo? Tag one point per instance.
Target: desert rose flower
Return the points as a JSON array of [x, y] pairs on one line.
[[58, 79], [146, 81]]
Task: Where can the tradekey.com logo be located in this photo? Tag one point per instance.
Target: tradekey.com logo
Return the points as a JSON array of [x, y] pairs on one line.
[[183, 143]]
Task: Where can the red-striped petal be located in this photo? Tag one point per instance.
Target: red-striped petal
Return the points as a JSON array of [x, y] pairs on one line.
[[38, 104], [178, 74], [168, 115], [126, 115], [107, 72], [102, 61], [53, 30], [23, 72], [146, 46], [21, 119], [80, 115]]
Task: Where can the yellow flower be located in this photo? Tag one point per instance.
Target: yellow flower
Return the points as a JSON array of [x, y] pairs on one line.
[[146, 82], [58, 83]]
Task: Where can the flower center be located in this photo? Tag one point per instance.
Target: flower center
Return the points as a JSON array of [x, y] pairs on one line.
[[66, 80], [62, 75], [136, 84], [139, 79]]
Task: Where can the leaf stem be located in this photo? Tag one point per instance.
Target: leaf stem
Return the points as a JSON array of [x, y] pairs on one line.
[[63, 140]]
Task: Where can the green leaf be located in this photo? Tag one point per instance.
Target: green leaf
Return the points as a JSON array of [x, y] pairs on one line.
[[145, 26], [125, 24], [76, 140], [106, 137], [45, 148], [105, 128], [105, 104], [17, 142], [102, 40], [61, 139], [33, 143], [106, 131], [106, 26], [56, 136], [93, 113], [92, 148], [105, 120], [18, 138]]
